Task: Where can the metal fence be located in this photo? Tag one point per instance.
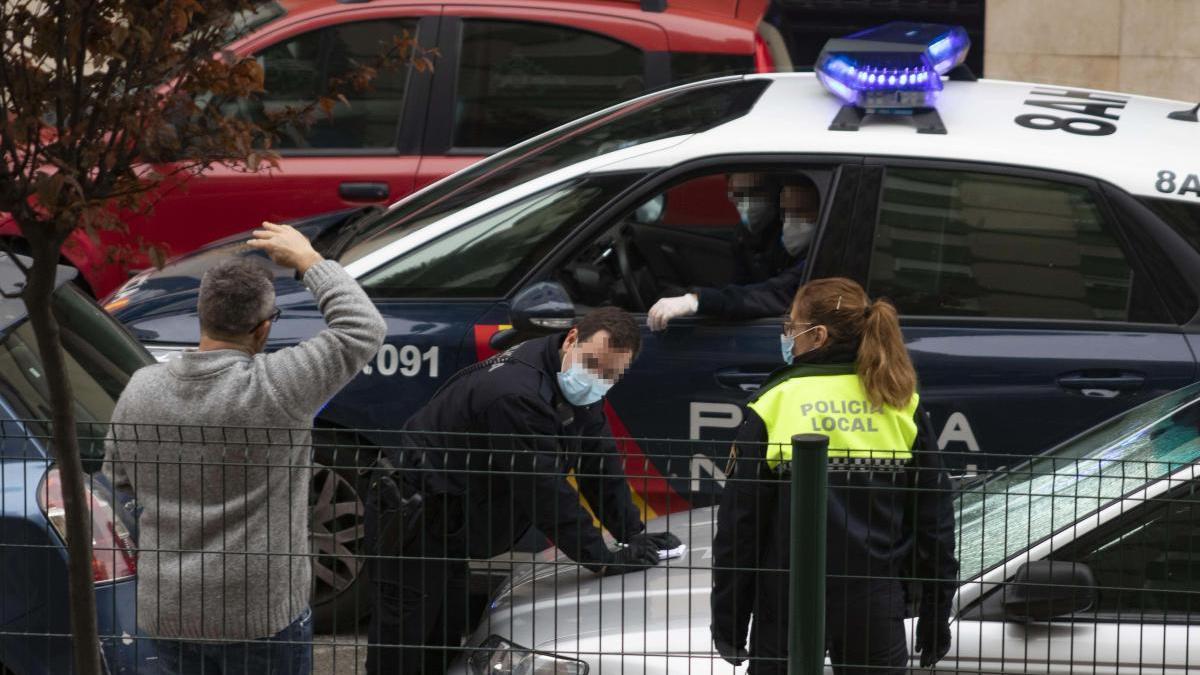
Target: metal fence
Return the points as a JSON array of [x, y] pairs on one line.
[[1083, 560]]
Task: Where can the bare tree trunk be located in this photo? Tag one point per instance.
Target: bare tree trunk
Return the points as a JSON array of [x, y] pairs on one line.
[[64, 445]]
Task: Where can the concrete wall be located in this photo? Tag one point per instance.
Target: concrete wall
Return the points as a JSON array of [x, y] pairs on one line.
[[1147, 47]]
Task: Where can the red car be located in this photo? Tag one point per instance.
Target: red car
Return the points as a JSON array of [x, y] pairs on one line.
[[506, 71]]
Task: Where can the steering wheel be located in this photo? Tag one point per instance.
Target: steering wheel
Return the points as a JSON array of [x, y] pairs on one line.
[[621, 246]]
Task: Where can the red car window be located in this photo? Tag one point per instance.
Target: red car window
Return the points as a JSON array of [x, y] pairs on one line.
[[518, 79]]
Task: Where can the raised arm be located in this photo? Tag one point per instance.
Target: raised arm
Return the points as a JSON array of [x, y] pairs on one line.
[[307, 375]]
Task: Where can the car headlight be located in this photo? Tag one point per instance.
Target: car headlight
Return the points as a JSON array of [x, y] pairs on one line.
[[163, 353], [497, 656]]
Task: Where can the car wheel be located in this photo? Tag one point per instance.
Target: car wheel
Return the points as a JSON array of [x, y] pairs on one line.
[[336, 532]]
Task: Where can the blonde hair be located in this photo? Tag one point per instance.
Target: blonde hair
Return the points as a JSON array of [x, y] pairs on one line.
[[883, 364]]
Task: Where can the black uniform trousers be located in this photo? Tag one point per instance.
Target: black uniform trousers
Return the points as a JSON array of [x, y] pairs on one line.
[[419, 601], [864, 627]]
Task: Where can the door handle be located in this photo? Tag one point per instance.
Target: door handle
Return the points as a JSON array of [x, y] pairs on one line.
[[363, 192], [746, 380], [1102, 386]]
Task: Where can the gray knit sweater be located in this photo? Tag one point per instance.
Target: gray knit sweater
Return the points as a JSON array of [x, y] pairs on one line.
[[217, 449]]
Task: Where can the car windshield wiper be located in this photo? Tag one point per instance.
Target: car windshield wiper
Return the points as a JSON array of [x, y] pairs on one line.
[[334, 241]]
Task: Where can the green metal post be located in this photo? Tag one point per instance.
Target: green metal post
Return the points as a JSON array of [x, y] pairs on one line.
[[806, 591]]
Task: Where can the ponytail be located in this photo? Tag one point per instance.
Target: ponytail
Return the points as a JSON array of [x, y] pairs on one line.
[[851, 318], [884, 367]]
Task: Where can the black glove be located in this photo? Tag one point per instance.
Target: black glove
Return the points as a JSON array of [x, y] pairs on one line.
[[933, 634], [662, 541], [732, 655], [637, 555]]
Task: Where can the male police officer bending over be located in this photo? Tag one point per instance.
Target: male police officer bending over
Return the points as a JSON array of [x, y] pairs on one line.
[[487, 457]]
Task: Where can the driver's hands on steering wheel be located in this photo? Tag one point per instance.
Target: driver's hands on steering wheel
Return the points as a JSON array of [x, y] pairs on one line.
[[672, 308]]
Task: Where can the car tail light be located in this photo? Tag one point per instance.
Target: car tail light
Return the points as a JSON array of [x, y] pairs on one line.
[[114, 555], [763, 63]]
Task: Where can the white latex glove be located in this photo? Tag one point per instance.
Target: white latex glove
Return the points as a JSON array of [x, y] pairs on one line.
[[672, 308]]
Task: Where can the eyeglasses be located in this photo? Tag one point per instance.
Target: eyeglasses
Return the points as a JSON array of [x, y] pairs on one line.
[[272, 317], [794, 328]]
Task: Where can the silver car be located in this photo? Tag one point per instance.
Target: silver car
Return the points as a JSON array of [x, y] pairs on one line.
[[1085, 559]]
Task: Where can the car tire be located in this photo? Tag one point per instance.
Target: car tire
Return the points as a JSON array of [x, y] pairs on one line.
[[336, 530]]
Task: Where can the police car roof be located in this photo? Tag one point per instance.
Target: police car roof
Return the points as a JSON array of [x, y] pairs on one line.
[[1121, 138]]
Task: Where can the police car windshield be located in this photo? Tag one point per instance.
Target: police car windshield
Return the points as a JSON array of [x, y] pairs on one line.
[[671, 113], [1022, 506]]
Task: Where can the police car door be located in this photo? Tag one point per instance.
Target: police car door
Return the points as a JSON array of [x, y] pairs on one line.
[[1140, 614], [1026, 311], [692, 378]]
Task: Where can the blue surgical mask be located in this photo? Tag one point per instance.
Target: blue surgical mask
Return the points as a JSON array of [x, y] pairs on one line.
[[787, 344], [582, 387]]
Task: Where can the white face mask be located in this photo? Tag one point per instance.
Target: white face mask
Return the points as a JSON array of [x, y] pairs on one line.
[[798, 232]]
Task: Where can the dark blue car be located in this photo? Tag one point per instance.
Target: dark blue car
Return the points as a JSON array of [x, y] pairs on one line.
[[1046, 284], [34, 611]]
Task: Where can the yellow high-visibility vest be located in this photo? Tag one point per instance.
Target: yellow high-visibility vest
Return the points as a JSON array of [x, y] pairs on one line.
[[836, 406]]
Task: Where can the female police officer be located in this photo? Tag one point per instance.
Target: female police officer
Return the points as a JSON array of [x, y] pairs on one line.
[[889, 511]]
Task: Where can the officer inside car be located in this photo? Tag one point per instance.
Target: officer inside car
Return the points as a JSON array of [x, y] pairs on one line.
[[779, 217], [487, 457]]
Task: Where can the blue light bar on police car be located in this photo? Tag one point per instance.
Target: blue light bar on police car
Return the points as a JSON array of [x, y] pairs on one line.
[[897, 65]]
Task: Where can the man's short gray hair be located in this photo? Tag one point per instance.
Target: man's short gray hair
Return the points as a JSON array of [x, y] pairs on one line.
[[235, 296]]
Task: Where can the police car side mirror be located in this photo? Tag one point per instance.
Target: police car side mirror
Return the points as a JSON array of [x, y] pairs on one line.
[[1047, 589], [538, 309]]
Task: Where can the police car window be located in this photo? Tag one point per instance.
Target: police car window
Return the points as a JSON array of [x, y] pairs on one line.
[[1182, 216], [1151, 564], [707, 231], [519, 79], [1051, 492], [672, 113], [958, 243], [487, 257], [298, 70]]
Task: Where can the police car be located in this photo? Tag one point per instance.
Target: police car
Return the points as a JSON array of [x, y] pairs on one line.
[[1041, 243], [1080, 561]]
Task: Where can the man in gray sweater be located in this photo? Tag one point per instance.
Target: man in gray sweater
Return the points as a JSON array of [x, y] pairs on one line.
[[216, 448]]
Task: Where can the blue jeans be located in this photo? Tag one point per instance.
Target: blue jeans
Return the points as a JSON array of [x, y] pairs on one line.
[[288, 652]]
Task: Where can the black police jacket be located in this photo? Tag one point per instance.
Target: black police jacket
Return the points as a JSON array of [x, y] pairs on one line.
[[765, 280], [881, 527], [500, 436]]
